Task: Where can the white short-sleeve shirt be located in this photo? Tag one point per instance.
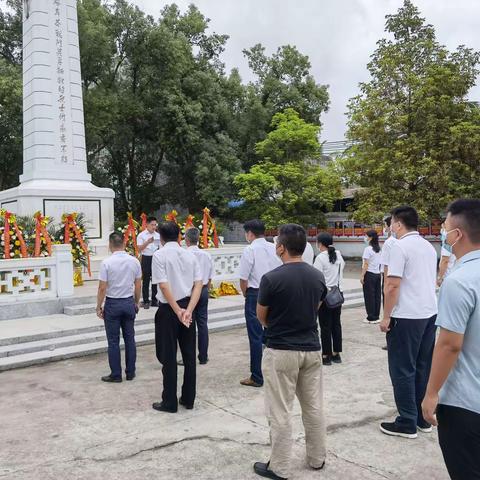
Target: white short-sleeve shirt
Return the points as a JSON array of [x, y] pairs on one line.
[[308, 254], [333, 272], [386, 250], [176, 266], [373, 258], [414, 260], [153, 247], [451, 260], [205, 261], [119, 271], [258, 259]]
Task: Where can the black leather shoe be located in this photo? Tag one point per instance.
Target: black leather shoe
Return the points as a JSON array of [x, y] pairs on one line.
[[183, 404], [163, 408], [154, 303], [203, 362], [146, 305], [131, 377], [262, 469], [110, 379], [336, 358]]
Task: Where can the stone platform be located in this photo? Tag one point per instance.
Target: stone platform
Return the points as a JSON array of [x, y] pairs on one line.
[[59, 421], [78, 331]]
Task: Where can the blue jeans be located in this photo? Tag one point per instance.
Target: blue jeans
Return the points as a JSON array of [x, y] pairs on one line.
[[201, 319], [410, 349], [255, 335], [119, 314]]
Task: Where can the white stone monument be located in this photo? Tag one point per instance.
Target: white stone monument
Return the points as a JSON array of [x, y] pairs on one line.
[[55, 179]]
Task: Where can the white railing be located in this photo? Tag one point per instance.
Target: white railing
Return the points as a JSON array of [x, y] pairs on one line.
[[37, 278]]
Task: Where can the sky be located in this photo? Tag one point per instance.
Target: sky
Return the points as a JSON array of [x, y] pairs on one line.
[[338, 36]]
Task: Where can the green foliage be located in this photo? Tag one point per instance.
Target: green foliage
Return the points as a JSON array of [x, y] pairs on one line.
[[288, 186], [10, 123], [293, 192], [164, 123], [291, 139], [416, 135], [283, 81]]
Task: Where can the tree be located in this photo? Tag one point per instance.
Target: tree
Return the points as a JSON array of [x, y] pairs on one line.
[[157, 108], [291, 139], [409, 123], [283, 81], [10, 124], [288, 185]]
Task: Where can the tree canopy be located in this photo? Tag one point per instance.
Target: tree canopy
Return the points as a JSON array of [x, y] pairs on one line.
[[416, 135], [288, 185], [165, 123]]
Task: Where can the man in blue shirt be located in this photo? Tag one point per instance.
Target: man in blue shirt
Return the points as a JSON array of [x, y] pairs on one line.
[[453, 390]]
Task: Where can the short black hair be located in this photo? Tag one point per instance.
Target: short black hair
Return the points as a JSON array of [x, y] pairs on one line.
[[387, 220], [169, 231], [293, 237], [151, 219], [116, 240], [193, 235], [407, 215], [467, 211], [257, 227]]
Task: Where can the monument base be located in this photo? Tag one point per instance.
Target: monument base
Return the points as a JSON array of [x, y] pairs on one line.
[[55, 197]]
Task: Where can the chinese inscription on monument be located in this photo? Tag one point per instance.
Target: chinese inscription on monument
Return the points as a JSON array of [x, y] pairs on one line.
[[60, 82]]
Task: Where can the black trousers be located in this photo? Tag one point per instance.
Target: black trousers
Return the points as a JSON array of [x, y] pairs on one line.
[[168, 332], [459, 436], [146, 277], [372, 294], [330, 329], [410, 344], [201, 319]]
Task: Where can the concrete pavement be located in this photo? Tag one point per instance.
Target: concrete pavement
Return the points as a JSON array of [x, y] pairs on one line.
[[58, 421]]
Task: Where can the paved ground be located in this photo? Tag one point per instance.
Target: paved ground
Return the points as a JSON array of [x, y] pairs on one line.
[[59, 422]]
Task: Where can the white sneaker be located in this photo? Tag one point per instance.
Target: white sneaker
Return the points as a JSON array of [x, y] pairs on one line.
[[371, 322]]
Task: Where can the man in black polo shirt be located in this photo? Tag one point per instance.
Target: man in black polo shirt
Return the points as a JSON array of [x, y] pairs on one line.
[[288, 303]]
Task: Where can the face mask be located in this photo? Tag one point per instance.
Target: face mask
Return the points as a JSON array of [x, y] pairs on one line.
[[447, 246], [394, 235], [366, 241]]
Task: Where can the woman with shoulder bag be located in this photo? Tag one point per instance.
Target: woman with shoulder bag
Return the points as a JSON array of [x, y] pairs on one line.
[[331, 264]]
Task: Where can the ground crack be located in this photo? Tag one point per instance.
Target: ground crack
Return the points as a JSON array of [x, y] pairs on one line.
[[170, 444], [381, 473]]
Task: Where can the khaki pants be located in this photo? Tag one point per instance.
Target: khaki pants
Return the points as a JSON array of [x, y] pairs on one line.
[[288, 373]]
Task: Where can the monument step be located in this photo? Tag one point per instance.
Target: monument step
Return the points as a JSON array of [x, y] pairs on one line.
[[87, 308], [215, 314], [80, 350], [90, 335]]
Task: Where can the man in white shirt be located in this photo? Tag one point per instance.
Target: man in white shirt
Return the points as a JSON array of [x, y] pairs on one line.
[[308, 255], [119, 286], [387, 247], [409, 320], [447, 260], [257, 259], [200, 314], [148, 242], [385, 255], [177, 273]]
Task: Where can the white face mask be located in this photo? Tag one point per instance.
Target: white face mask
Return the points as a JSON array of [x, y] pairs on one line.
[[445, 244]]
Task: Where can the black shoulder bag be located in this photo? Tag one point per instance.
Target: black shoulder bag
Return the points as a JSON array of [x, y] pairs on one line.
[[334, 297]]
